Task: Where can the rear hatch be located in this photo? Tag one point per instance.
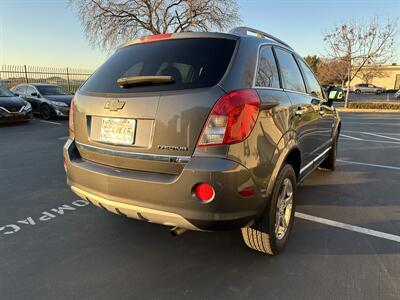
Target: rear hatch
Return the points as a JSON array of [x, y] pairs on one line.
[[142, 123]]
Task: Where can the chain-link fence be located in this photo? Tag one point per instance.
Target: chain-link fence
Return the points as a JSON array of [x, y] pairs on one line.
[[70, 79]]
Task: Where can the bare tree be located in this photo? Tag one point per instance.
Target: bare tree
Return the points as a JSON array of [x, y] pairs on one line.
[[360, 44], [332, 71], [109, 23], [367, 73]]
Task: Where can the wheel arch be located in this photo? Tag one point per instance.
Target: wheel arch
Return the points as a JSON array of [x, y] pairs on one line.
[[289, 153]]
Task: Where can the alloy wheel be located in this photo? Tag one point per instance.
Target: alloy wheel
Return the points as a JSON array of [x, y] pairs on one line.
[[284, 209]]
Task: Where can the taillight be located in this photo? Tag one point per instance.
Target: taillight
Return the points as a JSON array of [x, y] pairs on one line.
[[71, 117], [232, 118]]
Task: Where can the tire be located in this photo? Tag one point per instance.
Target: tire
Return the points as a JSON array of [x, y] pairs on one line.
[[45, 112], [265, 236], [358, 92], [329, 163]]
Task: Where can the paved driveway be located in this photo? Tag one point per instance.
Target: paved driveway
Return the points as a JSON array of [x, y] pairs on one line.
[[345, 243]]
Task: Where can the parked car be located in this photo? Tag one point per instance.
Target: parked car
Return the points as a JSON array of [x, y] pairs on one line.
[[48, 100], [368, 88], [202, 131], [13, 108], [397, 94]]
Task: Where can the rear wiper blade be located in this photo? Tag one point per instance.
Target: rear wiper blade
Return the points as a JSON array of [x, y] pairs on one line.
[[144, 80]]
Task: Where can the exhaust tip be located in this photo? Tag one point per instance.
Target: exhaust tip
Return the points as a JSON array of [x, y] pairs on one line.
[[177, 231]]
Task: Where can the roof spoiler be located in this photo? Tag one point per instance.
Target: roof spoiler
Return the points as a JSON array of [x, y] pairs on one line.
[[244, 31]]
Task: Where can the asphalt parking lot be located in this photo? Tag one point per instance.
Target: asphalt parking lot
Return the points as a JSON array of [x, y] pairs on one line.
[[345, 243]]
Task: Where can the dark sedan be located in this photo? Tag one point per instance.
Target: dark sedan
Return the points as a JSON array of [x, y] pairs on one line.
[[48, 100], [13, 108]]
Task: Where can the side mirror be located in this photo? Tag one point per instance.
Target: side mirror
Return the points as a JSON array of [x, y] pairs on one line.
[[34, 94], [16, 94]]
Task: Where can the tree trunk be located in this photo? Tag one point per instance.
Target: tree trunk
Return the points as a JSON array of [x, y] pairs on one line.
[[346, 102]]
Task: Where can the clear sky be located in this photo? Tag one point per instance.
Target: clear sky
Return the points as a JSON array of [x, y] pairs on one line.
[[49, 33]]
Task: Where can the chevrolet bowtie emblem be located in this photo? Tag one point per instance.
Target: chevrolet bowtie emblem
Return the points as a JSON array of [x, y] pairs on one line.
[[114, 105]]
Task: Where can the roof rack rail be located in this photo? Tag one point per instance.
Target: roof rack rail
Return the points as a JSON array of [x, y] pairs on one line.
[[243, 31]]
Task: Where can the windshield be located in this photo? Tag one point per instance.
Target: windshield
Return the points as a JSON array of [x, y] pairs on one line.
[[191, 63], [52, 90], [5, 93]]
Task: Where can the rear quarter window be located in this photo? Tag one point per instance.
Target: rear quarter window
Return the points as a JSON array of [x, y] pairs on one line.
[[193, 63], [267, 72]]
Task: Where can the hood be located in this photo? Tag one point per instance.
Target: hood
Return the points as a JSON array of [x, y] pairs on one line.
[[12, 104], [60, 98]]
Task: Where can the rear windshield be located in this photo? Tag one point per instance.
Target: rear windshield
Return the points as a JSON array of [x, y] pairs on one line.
[[193, 63]]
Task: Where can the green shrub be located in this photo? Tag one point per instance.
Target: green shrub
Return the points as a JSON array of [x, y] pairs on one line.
[[375, 105]]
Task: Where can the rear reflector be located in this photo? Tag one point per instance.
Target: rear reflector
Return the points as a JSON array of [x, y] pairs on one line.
[[232, 119], [204, 192], [247, 192]]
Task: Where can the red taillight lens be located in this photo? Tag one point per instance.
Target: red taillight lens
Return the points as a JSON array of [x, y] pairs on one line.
[[232, 118], [71, 117], [204, 192]]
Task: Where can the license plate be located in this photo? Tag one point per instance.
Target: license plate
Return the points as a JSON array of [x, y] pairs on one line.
[[118, 131]]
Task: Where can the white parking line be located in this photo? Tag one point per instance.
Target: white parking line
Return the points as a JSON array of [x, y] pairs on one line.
[[63, 138], [50, 122], [382, 136], [369, 123], [385, 133], [350, 137], [367, 140], [358, 229], [369, 165]]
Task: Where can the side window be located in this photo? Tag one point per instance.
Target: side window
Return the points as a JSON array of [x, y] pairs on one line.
[[21, 89], [30, 90], [312, 83], [291, 76], [267, 73]]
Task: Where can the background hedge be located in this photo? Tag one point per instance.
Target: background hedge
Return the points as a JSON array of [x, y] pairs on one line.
[[375, 105]]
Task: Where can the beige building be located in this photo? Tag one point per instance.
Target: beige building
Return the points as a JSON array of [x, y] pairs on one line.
[[387, 76]]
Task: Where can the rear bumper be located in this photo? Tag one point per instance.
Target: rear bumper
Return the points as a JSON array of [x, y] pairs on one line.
[[168, 199]]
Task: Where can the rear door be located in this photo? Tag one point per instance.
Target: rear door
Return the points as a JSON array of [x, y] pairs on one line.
[[163, 121], [305, 115]]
